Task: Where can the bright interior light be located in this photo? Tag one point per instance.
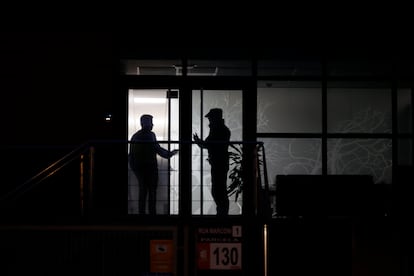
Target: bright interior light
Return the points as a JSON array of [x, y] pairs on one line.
[[150, 100], [158, 122]]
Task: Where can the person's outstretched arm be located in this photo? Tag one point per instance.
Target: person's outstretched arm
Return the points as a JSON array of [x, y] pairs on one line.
[[164, 153]]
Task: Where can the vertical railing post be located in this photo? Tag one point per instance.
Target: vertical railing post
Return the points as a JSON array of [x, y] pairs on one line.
[[257, 182], [86, 192], [249, 180], [265, 250], [82, 183], [91, 176], [263, 181]]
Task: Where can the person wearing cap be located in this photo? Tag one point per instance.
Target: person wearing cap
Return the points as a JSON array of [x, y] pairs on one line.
[[144, 149], [217, 143]]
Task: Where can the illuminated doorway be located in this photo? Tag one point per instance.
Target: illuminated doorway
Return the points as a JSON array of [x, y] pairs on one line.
[[163, 105], [231, 102]]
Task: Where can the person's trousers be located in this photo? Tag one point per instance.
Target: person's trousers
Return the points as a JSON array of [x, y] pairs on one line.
[[219, 189], [147, 183]]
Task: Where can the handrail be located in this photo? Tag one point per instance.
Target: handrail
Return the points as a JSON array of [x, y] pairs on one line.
[[87, 164], [265, 175], [44, 174]]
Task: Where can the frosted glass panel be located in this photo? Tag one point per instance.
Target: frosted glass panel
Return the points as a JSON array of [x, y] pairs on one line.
[[292, 156], [230, 101], [359, 110], [361, 156], [289, 109]]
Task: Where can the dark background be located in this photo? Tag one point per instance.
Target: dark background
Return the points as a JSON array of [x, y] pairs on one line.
[[55, 86], [58, 86]]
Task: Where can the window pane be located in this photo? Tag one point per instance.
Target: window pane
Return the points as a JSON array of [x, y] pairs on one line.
[[219, 68], [292, 156], [163, 105], [359, 109], [230, 101], [289, 107], [361, 156], [405, 110], [151, 67]]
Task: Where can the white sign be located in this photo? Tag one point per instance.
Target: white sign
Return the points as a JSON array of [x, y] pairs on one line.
[[225, 255]]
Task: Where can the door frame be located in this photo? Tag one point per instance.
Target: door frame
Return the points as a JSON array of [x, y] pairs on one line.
[[185, 85]]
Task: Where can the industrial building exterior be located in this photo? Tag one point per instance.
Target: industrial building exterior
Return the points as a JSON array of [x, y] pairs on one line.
[[321, 158]]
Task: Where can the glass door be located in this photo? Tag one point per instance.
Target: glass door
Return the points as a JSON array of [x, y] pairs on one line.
[[228, 105], [163, 105]]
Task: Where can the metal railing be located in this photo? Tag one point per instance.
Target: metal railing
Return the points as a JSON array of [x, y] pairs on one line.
[[13, 195], [85, 156]]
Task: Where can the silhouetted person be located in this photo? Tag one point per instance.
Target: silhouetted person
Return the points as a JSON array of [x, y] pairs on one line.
[[218, 156], [143, 162]]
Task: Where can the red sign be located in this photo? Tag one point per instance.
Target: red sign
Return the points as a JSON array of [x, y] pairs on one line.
[[161, 255], [219, 248]]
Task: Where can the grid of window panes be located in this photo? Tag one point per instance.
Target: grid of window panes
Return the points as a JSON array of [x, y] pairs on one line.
[[360, 108], [293, 110], [311, 119], [359, 127]]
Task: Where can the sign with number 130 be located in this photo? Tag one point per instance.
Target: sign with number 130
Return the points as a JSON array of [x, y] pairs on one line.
[[225, 256], [219, 248]]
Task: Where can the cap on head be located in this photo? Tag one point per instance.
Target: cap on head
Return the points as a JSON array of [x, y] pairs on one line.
[[215, 113], [146, 120]]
